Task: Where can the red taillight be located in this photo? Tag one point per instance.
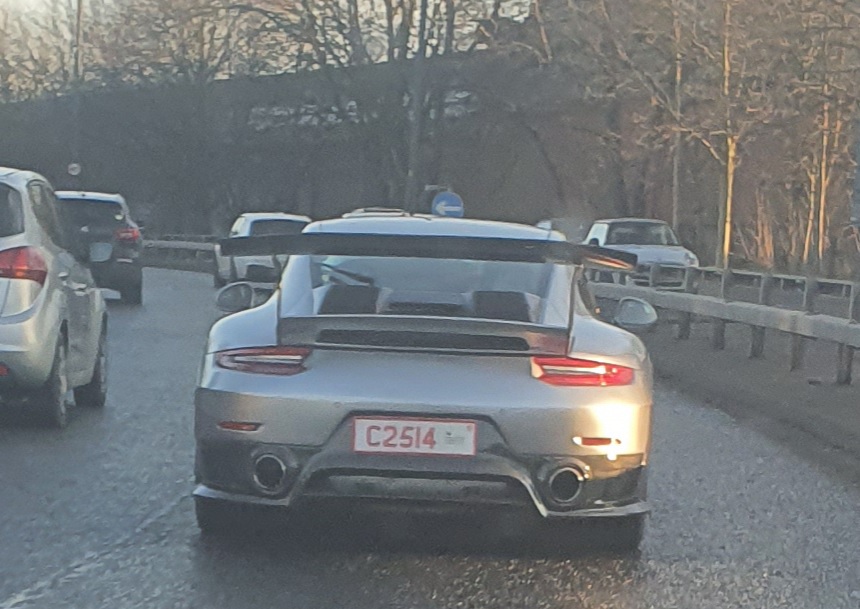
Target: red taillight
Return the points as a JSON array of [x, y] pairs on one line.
[[239, 426], [282, 361], [570, 372], [23, 263], [127, 234]]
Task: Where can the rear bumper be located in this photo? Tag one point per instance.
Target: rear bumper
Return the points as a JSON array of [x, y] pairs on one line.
[[225, 470], [118, 273], [27, 345]]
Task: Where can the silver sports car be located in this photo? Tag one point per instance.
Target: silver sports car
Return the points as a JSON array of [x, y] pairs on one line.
[[426, 362]]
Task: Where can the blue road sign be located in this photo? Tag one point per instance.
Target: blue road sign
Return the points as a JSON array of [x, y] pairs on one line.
[[448, 204]]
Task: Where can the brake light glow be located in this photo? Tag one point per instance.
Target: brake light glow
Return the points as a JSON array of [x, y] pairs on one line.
[[23, 263], [580, 441], [127, 234], [571, 372], [239, 426], [280, 361]]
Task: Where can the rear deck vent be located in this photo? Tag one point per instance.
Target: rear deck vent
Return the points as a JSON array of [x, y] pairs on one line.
[[422, 340]]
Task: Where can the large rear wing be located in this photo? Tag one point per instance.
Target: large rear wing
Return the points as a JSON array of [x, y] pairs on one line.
[[430, 246], [411, 333]]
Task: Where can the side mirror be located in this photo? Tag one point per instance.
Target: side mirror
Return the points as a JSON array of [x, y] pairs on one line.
[[258, 273], [235, 297], [594, 241], [100, 252], [635, 315]]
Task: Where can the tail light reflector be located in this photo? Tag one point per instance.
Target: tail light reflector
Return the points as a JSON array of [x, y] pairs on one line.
[[280, 361], [571, 372], [23, 263], [239, 426], [129, 235]]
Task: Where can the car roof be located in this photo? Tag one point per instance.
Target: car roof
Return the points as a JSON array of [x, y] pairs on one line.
[[431, 226], [274, 215], [98, 197], [640, 220]]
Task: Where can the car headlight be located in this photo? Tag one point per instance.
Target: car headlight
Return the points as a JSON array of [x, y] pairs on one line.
[[691, 259]]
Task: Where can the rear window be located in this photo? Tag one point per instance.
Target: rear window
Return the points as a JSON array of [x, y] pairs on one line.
[[11, 212], [640, 233], [260, 228], [512, 291], [93, 213]]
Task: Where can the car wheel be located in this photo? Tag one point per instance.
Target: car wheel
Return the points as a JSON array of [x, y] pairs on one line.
[[94, 394], [619, 535], [133, 294], [623, 534], [50, 401], [215, 517]]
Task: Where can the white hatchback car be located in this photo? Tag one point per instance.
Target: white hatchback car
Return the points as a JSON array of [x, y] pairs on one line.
[[53, 320], [653, 242], [231, 269]]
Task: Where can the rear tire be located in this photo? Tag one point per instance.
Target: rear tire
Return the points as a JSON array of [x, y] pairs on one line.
[[618, 535], [215, 518], [133, 294], [624, 534], [94, 393], [49, 402]]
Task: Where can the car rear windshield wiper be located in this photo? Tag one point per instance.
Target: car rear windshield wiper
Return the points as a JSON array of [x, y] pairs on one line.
[[362, 279]]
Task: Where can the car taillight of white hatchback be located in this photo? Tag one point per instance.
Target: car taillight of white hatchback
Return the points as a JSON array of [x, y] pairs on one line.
[[26, 263]]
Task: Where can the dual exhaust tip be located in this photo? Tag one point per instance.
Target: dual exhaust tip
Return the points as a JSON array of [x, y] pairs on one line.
[[270, 474], [562, 485]]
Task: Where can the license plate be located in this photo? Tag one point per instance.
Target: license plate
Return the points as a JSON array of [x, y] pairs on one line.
[[376, 435]]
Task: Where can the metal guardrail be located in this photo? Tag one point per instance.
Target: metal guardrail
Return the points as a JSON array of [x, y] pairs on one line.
[[803, 307], [182, 255]]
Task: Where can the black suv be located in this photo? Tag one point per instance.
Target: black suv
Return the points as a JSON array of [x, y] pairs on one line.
[[105, 219]]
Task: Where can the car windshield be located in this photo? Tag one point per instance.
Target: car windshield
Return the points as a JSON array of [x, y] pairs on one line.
[[421, 286], [640, 233], [11, 212], [260, 228], [96, 214]]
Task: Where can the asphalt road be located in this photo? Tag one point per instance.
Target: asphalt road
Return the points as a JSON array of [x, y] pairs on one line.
[[100, 516]]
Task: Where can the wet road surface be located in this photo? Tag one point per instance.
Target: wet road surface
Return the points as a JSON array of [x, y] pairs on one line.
[[99, 515]]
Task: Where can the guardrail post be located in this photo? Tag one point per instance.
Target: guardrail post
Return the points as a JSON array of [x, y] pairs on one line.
[[854, 303], [725, 283], [810, 291], [757, 335], [685, 321], [764, 289], [846, 363], [718, 334], [798, 350]]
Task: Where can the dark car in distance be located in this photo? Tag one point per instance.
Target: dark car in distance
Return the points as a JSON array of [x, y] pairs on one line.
[[105, 218]]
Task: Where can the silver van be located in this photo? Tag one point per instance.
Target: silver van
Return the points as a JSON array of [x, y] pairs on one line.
[[53, 319]]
